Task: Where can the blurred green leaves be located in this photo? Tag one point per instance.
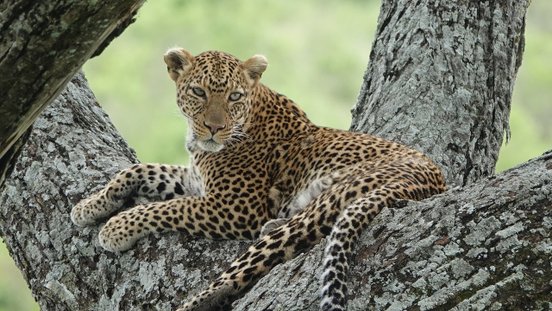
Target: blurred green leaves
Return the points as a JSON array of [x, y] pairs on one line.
[[14, 294], [531, 116]]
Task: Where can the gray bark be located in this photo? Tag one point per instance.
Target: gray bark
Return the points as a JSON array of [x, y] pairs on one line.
[[42, 45], [440, 79], [486, 245]]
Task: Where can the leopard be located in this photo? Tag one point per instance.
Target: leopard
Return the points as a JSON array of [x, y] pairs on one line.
[[259, 170]]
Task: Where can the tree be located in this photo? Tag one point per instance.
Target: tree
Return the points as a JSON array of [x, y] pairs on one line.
[[439, 79], [42, 46]]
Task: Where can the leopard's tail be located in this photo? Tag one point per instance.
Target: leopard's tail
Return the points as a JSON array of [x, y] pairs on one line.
[[350, 224]]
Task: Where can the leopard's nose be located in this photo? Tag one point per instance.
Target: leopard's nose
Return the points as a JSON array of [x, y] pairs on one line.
[[213, 127]]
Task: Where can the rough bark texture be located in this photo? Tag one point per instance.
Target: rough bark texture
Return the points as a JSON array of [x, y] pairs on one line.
[[440, 79], [43, 44], [486, 246]]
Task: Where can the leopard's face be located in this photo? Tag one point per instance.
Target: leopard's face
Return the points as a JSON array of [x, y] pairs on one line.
[[214, 92]]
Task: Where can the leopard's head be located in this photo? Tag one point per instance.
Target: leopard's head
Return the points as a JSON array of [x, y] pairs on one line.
[[214, 92]]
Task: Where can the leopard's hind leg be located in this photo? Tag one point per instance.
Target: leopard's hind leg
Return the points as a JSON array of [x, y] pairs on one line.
[[416, 182], [285, 242]]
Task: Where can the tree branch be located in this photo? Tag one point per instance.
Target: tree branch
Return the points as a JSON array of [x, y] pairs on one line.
[[42, 46], [487, 245]]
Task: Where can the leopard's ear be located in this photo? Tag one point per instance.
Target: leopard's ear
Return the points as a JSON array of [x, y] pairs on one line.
[[179, 61], [254, 68]]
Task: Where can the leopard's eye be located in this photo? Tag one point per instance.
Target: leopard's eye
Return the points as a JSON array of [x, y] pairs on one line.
[[235, 96], [198, 91]]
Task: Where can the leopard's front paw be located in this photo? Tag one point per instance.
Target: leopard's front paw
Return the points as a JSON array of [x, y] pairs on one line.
[[88, 210], [121, 232]]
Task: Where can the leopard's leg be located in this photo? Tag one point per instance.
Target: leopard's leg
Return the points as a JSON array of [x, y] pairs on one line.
[[210, 216], [298, 234], [256, 262], [152, 181]]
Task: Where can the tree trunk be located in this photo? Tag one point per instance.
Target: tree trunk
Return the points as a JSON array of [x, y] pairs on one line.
[[486, 245], [43, 44], [440, 79]]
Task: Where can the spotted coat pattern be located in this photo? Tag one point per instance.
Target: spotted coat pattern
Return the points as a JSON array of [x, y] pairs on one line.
[[255, 158]]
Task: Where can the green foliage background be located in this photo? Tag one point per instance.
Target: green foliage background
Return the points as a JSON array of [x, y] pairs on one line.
[[317, 50]]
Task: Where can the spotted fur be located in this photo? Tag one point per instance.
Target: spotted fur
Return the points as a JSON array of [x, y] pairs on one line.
[[256, 161]]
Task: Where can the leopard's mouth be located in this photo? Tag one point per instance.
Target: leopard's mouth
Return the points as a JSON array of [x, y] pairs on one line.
[[209, 143]]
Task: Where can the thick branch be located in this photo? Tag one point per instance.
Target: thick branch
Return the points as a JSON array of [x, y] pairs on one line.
[[42, 46], [440, 79], [487, 245]]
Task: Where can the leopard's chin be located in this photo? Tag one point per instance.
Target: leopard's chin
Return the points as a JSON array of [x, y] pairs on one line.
[[210, 145]]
